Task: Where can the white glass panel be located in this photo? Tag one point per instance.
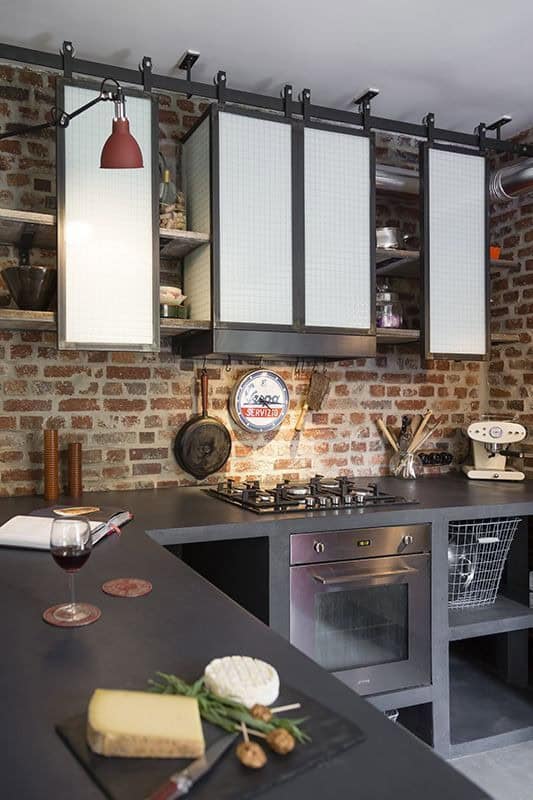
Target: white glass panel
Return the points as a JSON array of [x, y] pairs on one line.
[[197, 265], [108, 266], [255, 220], [457, 253], [337, 230]]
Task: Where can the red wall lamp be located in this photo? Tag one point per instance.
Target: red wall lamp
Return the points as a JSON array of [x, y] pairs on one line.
[[120, 151]]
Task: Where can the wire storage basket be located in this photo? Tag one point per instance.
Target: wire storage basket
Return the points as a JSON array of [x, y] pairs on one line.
[[477, 551]]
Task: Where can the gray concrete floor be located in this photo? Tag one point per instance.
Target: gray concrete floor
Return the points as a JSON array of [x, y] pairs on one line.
[[505, 774]]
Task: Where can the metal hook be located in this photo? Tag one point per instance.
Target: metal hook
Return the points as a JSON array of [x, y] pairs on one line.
[[204, 365], [228, 364]]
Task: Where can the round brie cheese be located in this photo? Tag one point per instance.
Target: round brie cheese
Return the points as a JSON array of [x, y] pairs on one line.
[[243, 679]]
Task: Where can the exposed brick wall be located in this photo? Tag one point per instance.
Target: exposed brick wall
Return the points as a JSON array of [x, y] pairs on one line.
[[126, 408], [511, 368]]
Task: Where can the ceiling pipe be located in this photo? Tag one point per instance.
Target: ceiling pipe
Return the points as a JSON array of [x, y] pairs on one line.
[[504, 184]]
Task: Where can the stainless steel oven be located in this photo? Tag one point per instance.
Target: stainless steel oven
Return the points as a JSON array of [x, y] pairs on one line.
[[360, 604]]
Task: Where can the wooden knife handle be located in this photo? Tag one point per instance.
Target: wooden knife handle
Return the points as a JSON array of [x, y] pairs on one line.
[[299, 425], [204, 387]]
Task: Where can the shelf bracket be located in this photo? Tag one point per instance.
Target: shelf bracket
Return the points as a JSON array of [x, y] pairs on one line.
[[364, 103], [25, 243]]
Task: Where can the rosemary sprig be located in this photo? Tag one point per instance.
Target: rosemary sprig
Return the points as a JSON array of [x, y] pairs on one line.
[[221, 711]]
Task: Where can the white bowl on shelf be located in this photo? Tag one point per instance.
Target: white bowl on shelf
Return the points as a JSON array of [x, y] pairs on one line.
[[171, 296]]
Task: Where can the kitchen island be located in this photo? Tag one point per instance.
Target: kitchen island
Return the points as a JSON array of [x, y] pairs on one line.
[[48, 674]]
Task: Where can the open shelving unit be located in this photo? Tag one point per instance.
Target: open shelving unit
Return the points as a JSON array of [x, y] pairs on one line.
[[41, 227], [406, 336], [504, 616], [14, 223], [406, 264], [14, 319], [485, 711]]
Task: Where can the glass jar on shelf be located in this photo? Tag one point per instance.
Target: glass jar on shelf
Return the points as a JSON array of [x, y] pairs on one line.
[[389, 311]]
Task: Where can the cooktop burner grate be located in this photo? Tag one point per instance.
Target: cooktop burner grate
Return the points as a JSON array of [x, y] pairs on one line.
[[319, 494]]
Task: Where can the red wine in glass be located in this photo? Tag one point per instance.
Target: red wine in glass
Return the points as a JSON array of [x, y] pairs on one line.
[[70, 558], [70, 546]]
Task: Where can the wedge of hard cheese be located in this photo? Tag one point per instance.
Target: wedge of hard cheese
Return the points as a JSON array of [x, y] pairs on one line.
[[144, 725]]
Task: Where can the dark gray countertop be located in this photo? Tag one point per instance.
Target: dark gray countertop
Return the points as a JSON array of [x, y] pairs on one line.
[[48, 674]]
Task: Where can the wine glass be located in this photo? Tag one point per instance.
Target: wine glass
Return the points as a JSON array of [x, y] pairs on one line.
[[70, 545]]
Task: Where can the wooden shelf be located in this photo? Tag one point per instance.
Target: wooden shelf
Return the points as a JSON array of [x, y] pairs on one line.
[[397, 263], [13, 222], [505, 615], [15, 320], [405, 336], [177, 244], [406, 264], [500, 264], [504, 338], [178, 327], [397, 335]]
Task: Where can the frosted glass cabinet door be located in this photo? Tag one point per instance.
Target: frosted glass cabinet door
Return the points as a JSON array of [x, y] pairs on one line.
[[108, 237], [338, 237], [455, 253], [255, 220]]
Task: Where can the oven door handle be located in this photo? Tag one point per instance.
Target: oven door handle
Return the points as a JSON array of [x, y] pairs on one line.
[[362, 576]]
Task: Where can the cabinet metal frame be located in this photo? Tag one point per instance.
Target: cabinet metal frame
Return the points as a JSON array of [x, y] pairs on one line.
[[63, 344], [214, 163], [298, 234], [321, 126], [426, 353]]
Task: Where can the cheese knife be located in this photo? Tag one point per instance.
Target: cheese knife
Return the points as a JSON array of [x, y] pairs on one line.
[[180, 783]]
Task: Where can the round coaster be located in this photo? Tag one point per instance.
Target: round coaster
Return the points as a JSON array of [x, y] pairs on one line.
[[127, 587], [91, 615]]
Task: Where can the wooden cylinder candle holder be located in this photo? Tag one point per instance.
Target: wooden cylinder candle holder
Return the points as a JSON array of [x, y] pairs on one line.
[[74, 469], [51, 464]]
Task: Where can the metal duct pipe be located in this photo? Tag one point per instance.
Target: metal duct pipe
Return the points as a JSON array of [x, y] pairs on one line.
[[504, 184], [396, 179], [512, 181]]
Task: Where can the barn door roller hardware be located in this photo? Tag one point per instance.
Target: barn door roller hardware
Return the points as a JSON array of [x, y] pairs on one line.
[[67, 62], [186, 63], [364, 103], [498, 125]]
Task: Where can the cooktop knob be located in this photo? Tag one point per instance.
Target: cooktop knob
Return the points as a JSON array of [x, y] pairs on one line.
[[319, 547], [408, 539]]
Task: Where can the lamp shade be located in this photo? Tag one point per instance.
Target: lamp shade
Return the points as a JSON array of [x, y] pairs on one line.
[[121, 150]]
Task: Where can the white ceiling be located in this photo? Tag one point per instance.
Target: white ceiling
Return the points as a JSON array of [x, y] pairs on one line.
[[466, 60]]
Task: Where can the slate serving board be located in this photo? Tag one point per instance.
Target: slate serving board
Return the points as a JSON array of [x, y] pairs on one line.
[[135, 778]]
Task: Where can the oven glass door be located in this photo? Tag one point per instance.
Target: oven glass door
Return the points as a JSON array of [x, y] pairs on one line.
[[366, 620]]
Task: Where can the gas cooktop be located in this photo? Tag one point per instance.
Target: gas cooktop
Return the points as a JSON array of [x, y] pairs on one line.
[[319, 494]]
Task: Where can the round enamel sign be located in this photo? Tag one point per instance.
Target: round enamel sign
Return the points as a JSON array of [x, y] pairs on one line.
[[259, 400]]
